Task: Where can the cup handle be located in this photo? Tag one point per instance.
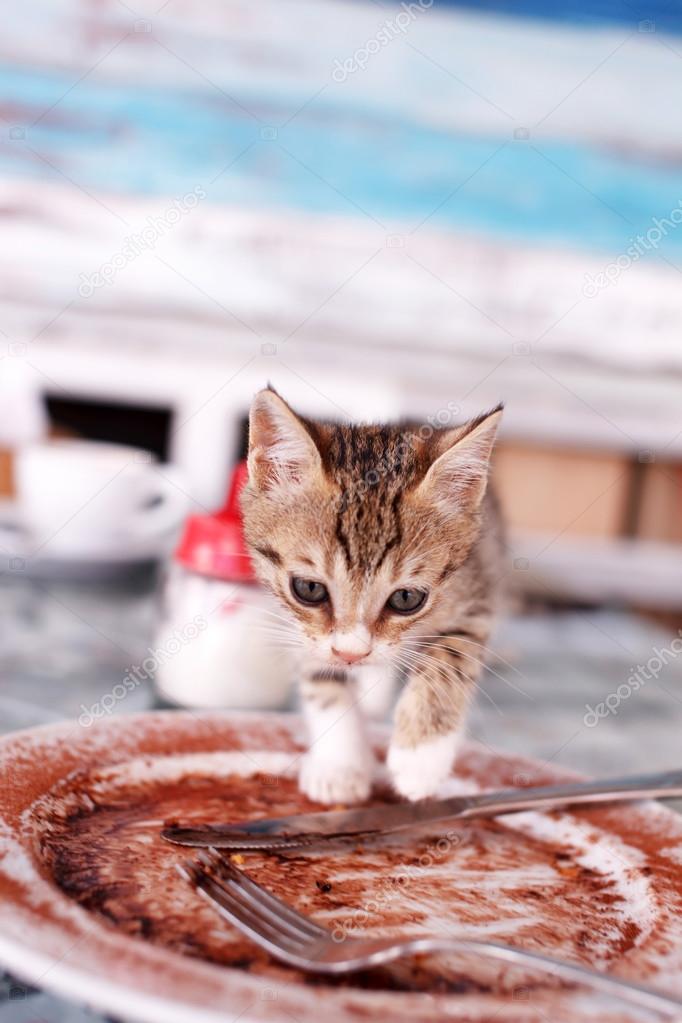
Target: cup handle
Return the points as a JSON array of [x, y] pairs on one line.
[[171, 504]]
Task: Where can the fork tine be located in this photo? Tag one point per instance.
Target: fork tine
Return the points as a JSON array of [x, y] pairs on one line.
[[260, 930], [277, 916], [274, 921], [262, 898], [227, 878]]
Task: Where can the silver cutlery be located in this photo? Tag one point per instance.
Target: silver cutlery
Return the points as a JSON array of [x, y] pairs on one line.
[[297, 940], [313, 829]]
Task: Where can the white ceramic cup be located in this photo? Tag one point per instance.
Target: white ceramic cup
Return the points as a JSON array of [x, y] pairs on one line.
[[79, 498]]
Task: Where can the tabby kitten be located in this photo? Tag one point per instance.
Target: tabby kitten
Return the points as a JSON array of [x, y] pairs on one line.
[[383, 547]]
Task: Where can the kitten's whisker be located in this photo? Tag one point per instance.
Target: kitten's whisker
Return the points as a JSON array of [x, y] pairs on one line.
[[483, 664], [438, 685], [279, 641], [290, 620], [283, 642], [479, 688], [478, 685], [283, 638], [482, 646], [430, 663], [276, 627], [328, 672]]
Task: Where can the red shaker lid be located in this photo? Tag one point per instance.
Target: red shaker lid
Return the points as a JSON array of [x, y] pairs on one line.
[[214, 544]]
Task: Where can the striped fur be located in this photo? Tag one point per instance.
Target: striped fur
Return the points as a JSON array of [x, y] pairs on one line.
[[366, 510]]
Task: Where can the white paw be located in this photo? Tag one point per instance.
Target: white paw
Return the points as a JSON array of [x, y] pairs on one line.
[[327, 782], [419, 771]]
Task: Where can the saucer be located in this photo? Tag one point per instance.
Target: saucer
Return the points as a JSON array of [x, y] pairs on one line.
[[20, 555]]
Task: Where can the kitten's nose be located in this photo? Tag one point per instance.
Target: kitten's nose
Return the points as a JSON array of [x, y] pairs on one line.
[[352, 645], [349, 656]]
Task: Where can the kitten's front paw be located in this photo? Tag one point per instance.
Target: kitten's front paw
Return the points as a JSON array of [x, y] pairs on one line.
[[326, 782], [418, 771]]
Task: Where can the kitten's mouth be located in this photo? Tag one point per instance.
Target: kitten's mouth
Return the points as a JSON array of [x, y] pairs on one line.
[[364, 662], [339, 666]]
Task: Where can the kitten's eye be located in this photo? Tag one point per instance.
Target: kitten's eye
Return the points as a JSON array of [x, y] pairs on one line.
[[406, 602], [308, 591]]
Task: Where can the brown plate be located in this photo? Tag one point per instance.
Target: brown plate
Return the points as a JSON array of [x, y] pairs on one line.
[[92, 908]]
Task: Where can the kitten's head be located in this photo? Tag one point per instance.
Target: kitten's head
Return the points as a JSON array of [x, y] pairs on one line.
[[359, 529]]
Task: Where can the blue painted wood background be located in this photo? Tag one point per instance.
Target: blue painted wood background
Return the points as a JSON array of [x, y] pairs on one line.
[[147, 140], [349, 151], [666, 16]]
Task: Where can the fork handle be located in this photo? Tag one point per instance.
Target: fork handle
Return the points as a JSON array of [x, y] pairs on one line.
[[627, 991], [643, 786]]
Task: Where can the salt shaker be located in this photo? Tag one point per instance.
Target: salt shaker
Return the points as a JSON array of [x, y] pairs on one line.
[[216, 646]]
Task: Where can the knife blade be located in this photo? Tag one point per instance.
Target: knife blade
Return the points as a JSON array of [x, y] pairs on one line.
[[308, 829]]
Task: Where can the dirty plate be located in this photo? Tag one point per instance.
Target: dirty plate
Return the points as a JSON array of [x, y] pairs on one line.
[[92, 908]]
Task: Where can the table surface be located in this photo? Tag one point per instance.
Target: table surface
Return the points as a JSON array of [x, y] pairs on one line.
[[561, 687]]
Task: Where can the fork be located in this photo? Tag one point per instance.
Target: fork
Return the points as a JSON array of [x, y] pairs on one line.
[[297, 940]]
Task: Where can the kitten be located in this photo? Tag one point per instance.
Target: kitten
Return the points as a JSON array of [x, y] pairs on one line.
[[384, 547]]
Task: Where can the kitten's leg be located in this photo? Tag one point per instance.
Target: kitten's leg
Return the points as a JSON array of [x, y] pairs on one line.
[[429, 717], [339, 764], [376, 688]]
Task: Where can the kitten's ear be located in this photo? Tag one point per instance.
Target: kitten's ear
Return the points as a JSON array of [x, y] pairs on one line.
[[459, 473], [281, 451]]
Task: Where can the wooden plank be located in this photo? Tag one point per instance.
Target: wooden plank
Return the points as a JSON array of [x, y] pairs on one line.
[[660, 509], [571, 492], [6, 473], [450, 68]]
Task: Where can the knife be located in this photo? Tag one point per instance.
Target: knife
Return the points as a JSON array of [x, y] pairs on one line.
[[309, 829]]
